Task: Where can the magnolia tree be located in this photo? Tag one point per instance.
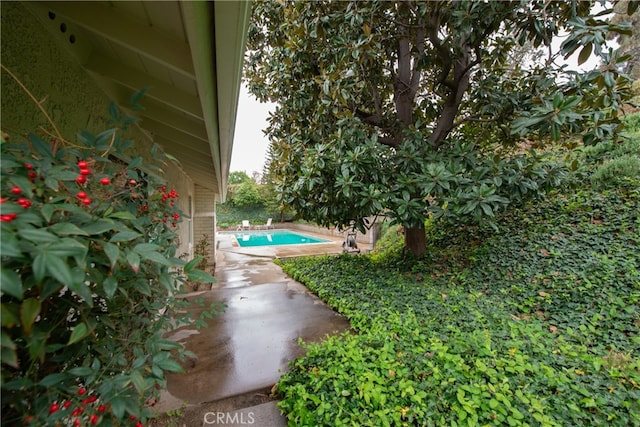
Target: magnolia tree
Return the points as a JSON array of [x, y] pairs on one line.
[[416, 109]]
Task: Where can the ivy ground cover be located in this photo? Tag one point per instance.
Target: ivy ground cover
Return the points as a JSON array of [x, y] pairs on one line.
[[536, 324]]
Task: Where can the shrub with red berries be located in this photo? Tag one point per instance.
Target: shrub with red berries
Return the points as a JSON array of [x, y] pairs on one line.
[[87, 266]]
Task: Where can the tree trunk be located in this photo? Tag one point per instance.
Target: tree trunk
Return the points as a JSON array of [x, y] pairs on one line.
[[415, 240]]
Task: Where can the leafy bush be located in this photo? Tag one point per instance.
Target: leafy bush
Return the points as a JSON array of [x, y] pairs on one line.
[[535, 324], [632, 122], [90, 280], [245, 194], [618, 171], [391, 242]]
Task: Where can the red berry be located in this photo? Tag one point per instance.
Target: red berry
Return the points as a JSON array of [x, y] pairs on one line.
[[67, 404], [85, 172], [132, 182], [101, 408], [81, 195], [92, 399], [82, 164], [76, 423], [82, 391], [77, 412], [87, 201], [132, 417], [8, 217], [81, 179], [16, 190], [105, 181], [2, 200], [139, 424], [28, 166], [32, 175], [93, 419], [53, 408]]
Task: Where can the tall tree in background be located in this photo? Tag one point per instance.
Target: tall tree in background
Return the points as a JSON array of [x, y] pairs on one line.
[[407, 108], [629, 43]]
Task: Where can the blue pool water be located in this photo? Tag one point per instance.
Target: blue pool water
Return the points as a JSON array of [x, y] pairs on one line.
[[273, 238]]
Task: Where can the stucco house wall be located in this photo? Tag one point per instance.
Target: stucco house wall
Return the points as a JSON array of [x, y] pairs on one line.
[[69, 96]]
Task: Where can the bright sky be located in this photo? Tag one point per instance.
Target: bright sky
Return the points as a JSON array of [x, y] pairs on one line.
[[250, 145]]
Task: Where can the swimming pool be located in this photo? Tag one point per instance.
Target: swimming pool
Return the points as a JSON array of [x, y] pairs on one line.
[[274, 238]]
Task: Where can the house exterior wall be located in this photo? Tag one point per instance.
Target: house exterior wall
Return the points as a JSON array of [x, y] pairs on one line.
[[69, 96], [204, 220]]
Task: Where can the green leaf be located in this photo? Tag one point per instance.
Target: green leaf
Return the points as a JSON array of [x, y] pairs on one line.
[[138, 381], [58, 268], [40, 146], [37, 235], [134, 261], [123, 215], [80, 371], [135, 162], [80, 331], [124, 236], [99, 227], [136, 97], [39, 267], [142, 248], [585, 53], [113, 253], [200, 277], [118, 406], [10, 283], [66, 228], [29, 311], [9, 246], [67, 247], [53, 379], [191, 265], [110, 285], [9, 357], [156, 257], [170, 365]]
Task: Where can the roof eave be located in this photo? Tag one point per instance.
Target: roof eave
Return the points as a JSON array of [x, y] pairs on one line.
[[219, 27]]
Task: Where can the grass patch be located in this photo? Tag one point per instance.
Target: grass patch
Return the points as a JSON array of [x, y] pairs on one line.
[[536, 324]]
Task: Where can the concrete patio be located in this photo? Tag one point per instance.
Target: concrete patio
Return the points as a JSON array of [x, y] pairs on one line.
[[247, 348]]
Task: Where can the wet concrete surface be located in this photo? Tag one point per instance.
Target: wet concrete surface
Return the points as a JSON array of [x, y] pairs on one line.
[[248, 347]]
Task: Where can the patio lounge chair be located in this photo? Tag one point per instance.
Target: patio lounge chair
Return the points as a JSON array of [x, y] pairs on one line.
[[268, 225], [245, 225]]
